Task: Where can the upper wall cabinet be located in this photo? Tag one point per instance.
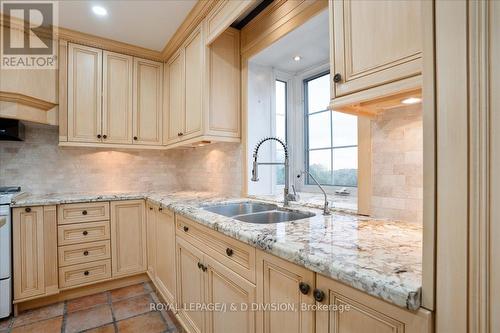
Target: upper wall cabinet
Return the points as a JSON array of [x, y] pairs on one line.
[[84, 94], [376, 48], [147, 102], [113, 99], [202, 89]]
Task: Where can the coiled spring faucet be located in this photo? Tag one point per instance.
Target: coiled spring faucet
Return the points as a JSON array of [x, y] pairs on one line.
[[287, 197]]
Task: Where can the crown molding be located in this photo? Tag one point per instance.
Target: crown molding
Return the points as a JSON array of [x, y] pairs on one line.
[[33, 102]]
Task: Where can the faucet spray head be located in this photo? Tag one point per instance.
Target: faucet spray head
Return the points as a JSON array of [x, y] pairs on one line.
[[255, 173]]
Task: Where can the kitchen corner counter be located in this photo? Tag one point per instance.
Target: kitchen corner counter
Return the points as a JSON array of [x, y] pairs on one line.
[[380, 257]]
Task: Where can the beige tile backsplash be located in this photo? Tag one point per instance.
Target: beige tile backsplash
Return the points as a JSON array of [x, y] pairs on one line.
[[40, 166], [397, 166]]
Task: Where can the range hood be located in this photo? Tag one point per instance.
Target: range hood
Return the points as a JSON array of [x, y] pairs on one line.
[[11, 130]]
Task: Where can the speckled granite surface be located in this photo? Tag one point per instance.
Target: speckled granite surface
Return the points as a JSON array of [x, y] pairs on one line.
[[382, 258]]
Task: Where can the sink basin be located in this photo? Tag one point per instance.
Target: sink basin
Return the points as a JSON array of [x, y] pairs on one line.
[[274, 216], [235, 209]]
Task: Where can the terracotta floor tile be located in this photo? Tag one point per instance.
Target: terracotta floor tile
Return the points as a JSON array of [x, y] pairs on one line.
[[89, 318], [172, 322], [5, 323], [127, 292], [150, 322], [87, 302], [104, 329], [35, 315], [45, 326], [132, 306]]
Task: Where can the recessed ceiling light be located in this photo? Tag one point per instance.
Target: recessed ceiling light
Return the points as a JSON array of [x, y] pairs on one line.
[[411, 100], [100, 11], [297, 58]]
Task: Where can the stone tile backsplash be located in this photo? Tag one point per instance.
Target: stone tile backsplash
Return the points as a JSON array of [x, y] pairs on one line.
[[39, 165], [397, 165]]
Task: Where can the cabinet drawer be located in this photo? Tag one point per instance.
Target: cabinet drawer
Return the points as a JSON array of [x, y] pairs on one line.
[[82, 212], [84, 273], [82, 232], [85, 252], [232, 253]]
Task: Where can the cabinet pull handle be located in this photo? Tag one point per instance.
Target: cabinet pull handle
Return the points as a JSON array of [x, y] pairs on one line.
[[229, 252], [150, 208], [27, 209], [85, 253], [160, 209], [135, 138], [86, 273], [204, 268], [98, 136], [185, 228], [104, 136], [337, 78], [85, 233], [200, 265], [84, 212], [319, 295], [304, 288]]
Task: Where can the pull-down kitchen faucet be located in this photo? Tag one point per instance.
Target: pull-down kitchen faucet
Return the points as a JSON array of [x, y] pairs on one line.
[[287, 197]]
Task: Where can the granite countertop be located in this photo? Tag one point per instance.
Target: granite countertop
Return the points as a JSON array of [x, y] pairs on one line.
[[380, 257]]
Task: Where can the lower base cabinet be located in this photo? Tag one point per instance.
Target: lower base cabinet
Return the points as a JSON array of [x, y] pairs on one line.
[[290, 286], [352, 311], [164, 244]]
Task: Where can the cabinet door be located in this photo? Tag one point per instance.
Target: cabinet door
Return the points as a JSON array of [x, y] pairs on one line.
[[84, 93], [358, 312], [190, 284], [151, 216], [194, 67], [279, 280], [147, 114], [128, 237], [224, 85], [226, 287], [165, 254], [374, 43], [175, 97], [117, 98], [28, 252]]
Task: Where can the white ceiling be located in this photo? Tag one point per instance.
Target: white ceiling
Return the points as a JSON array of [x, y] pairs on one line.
[[310, 41], [147, 23]]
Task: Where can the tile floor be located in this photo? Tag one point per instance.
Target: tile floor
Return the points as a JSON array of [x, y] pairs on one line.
[[121, 310]]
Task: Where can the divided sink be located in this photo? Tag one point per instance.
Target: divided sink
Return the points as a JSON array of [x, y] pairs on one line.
[[257, 212]]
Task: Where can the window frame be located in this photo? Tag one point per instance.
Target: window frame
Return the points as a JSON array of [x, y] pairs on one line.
[[308, 181]]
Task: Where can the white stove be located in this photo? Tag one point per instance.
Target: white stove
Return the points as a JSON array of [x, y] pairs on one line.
[[6, 195]]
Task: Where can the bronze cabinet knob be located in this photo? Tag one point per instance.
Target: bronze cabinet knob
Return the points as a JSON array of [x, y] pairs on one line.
[[86, 273], [337, 78], [85, 253], [319, 295], [27, 209], [229, 252], [186, 228], [84, 212], [304, 288], [85, 233]]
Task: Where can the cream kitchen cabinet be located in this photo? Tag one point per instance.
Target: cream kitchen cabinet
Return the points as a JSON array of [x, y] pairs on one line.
[[203, 89], [164, 244], [113, 99], [356, 312], [147, 111], [117, 98], [151, 217], [34, 252], [281, 282], [84, 93], [204, 280], [374, 45], [128, 238]]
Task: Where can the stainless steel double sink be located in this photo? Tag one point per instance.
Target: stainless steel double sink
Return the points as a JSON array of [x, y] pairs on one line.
[[254, 212]]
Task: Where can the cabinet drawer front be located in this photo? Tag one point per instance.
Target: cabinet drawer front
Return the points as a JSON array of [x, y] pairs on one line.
[[234, 254], [82, 233], [86, 252], [84, 273], [84, 212]]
